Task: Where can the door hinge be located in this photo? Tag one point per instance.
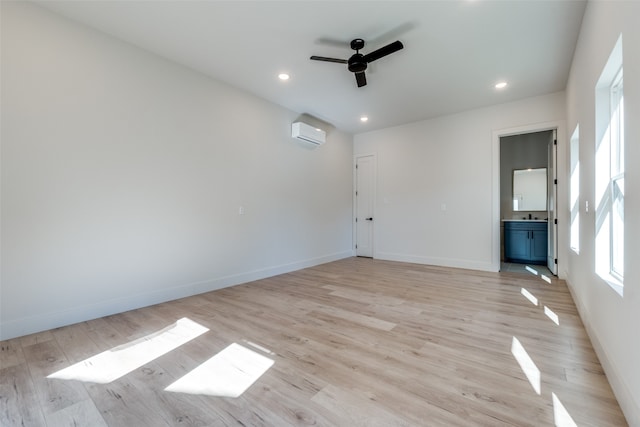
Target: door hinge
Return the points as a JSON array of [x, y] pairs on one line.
[[555, 181], [555, 142], [356, 193], [356, 166], [555, 221], [555, 261], [356, 246], [356, 219]]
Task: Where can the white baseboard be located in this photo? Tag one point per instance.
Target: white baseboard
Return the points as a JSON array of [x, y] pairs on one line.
[[442, 262], [236, 279], [630, 407], [42, 322]]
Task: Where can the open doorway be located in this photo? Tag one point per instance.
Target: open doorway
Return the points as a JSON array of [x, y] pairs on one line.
[[527, 202]]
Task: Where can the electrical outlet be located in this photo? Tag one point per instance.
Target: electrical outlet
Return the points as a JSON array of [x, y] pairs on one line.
[[241, 210]]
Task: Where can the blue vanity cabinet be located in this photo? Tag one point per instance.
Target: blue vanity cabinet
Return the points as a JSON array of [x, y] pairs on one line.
[[525, 241], [539, 238], [516, 243]]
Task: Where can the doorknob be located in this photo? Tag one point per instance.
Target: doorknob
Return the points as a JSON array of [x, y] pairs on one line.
[[369, 219]]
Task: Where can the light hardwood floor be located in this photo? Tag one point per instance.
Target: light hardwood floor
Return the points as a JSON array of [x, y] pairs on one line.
[[357, 342]]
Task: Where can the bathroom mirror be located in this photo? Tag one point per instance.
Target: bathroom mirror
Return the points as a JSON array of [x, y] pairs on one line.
[[530, 189]]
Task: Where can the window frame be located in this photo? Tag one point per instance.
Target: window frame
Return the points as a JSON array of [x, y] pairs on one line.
[[616, 172], [574, 190], [609, 171]]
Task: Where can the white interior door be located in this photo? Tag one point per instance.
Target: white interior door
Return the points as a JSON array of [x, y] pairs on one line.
[[365, 179], [552, 188]]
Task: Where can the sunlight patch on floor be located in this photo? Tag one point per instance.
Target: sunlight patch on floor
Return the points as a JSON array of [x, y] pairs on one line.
[[227, 374], [526, 364], [531, 270], [538, 273], [112, 364], [561, 416], [551, 315], [259, 347], [528, 295]]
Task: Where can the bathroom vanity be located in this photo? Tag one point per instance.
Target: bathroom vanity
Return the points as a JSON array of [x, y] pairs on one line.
[[525, 241]]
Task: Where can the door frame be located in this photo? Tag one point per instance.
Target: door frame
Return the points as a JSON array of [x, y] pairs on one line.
[[561, 200], [354, 238], [552, 186]]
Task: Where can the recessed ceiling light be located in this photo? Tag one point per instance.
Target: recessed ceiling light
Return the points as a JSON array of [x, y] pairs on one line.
[[501, 85], [364, 118], [283, 76]]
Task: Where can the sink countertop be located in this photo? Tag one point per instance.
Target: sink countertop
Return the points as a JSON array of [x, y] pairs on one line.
[[525, 220]]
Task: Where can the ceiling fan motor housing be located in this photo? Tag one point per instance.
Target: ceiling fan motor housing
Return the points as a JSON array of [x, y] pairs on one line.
[[357, 63]]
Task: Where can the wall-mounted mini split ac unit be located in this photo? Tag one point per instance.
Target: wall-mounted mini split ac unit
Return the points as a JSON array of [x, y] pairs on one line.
[[308, 133]]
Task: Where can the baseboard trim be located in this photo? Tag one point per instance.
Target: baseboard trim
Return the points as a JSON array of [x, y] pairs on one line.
[[630, 407], [441, 262], [236, 279], [33, 324]]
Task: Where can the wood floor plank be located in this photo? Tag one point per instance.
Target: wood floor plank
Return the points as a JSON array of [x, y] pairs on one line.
[[122, 403], [75, 342], [46, 358], [353, 342], [83, 413], [191, 409], [207, 409], [358, 409], [32, 339], [19, 404], [11, 353]]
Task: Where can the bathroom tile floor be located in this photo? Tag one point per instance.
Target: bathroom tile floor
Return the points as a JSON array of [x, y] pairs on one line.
[[510, 267]]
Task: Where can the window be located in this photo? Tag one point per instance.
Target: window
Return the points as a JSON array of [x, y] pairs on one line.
[[610, 165], [574, 190], [617, 177]]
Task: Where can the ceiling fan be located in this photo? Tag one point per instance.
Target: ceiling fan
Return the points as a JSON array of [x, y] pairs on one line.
[[358, 62]]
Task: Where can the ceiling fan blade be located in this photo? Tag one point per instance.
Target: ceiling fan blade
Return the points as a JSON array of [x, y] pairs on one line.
[[361, 79], [335, 43], [383, 51], [323, 58], [393, 33]]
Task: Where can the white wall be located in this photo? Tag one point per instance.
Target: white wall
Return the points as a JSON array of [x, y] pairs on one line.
[[450, 161], [611, 320], [122, 175]]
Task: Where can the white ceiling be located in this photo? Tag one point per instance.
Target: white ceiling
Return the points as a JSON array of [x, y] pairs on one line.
[[455, 51]]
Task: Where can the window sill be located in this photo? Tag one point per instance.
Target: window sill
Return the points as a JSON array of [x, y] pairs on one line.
[[613, 282]]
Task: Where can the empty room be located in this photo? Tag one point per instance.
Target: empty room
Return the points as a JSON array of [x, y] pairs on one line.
[[291, 213]]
